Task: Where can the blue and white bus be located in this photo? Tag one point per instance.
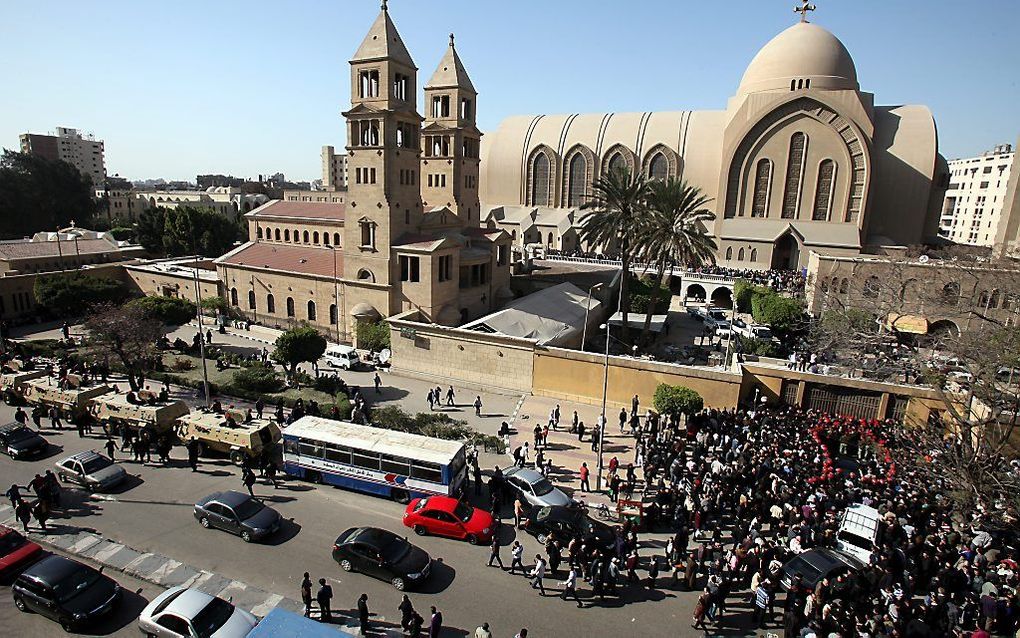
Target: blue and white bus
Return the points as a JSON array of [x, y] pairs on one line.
[[394, 464]]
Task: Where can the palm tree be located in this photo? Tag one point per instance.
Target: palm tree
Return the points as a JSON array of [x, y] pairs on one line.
[[616, 203], [672, 232]]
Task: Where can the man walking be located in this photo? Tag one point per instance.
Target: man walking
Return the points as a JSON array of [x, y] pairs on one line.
[[538, 574], [449, 397], [260, 405], [378, 383], [585, 487], [306, 594], [570, 587], [323, 597], [494, 553], [432, 399], [193, 454], [363, 614], [435, 623], [110, 446], [483, 631], [516, 554], [478, 406]]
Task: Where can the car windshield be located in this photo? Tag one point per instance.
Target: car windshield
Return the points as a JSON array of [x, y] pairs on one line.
[[247, 509], [422, 502], [395, 550], [75, 583], [463, 512], [854, 539], [212, 617], [10, 542], [19, 435], [97, 463], [542, 487], [807, 570]]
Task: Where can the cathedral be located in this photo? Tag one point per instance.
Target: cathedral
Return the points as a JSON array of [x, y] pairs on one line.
[[800, 160], [407, 235]]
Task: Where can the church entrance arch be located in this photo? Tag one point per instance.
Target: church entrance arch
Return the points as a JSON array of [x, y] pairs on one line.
[[786, 253], [722, 297]]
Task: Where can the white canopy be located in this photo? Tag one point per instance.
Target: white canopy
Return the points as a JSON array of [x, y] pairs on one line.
[[637, 320], [553, 316]]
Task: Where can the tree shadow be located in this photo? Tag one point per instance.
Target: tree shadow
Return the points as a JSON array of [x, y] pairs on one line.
[[440, 579], [274, 498]]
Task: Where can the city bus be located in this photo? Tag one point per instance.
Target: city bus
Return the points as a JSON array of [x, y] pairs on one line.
[[397, 465]]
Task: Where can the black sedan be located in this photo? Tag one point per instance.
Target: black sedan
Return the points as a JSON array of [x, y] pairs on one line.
[[66, 591], [239, 514], [816, 564], [569, 522], [383, 555], [19, 442]]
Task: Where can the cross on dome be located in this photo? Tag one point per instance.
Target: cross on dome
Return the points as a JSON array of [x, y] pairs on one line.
[[384, 5], [802, 9]]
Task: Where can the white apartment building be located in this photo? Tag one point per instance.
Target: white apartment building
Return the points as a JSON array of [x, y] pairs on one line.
[[84, 152], [976, 195]]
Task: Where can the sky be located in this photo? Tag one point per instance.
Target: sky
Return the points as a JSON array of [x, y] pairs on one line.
[[245, 87]]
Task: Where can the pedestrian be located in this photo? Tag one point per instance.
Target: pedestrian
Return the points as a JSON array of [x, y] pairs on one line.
[[23, 512], [523, 633], [518, 512], [538, 574], [193, 454], [478, 406], [271, 474], [516, 556], [55, 419], [65, 330], [653, 572], [14, 494], [449, 397], [493, 553], [363, 614], [208, 336], [585, 487], [483, 631], [306, 594], [21, 416], [570, 587], [435, 623], [248, 479], [762, 600], [378, 383], [323, 597], [431, 399], [623, 419], [632, 561], [407, 612], [260, 405], [41, 512], [476, 475], [700, 610]]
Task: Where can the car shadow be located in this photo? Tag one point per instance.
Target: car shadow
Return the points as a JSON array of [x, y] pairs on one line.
[[295, 487], [288, 530], [51, 450], [130, 481], [125, 613], [440, 579]]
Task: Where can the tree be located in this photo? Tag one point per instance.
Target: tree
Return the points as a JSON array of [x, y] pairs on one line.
[[674, 400], [73, 294], [170, 311], [782, 314], [303, 344], [37, 194], [373, 336], [128, 334], [617, 200], [672, 232], [187, 230]]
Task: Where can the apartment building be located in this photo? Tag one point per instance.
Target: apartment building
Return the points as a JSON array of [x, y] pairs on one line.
[[976, 196], [84, 152]]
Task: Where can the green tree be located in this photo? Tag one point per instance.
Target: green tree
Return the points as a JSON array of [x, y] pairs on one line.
[[303, 344], [168, 310], [187, 230], [780, 313], [755, 346], [258, 378], [37, 194], [672, 232], [127, 334], [617, 201], [374, 336], [73, 294], [674, 400]]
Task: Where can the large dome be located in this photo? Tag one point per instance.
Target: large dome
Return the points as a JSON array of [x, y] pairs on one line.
[[805, 52]]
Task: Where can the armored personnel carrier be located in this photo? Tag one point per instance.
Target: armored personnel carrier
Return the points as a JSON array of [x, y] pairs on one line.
[[138, 412], [70, 396], [12, 384], [229, 433]]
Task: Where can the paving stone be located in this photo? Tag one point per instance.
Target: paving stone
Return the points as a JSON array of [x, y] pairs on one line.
[[212, 585], [144, 565], [122, 558], [181, 575]]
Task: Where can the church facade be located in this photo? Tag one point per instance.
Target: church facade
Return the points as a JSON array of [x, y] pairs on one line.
[[407, 235], [800, 160]]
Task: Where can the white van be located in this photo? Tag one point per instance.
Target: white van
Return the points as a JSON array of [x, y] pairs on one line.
[[344, 357], [858, 529]]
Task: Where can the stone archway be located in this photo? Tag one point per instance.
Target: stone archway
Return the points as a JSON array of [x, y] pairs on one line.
[[786, 253], [943, 328], [722, 297], [695, 291]]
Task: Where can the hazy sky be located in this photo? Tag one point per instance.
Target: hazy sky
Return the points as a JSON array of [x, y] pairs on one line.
[[247, 87]]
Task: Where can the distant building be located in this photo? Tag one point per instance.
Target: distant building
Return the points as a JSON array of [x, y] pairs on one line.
[[122, 205], [334, 169], [226, 200], [84, 152], [68, 248], [976, 195]]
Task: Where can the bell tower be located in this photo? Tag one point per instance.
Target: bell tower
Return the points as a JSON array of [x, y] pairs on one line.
[[450, 162], [383, 130]]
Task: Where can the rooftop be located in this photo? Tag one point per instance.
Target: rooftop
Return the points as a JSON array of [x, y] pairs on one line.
[[305, 260], [305, 210], [23, 249]]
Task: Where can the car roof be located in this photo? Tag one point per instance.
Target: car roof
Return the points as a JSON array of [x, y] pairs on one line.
[[11, 427], [82, 456], [531, 476], [442, 503], [229, 498], [372, 536], [188, 603], [558, 513], [53, 569]]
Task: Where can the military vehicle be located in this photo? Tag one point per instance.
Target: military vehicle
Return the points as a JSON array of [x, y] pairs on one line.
[[12, 384], [228, 433], [70, 396], [144, 412]]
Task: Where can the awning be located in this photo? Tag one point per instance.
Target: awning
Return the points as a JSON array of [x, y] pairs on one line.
[[637, 320], [911, 324]]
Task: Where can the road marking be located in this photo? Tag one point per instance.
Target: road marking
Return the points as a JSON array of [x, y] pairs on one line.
[[197, 580], [160, 573], [267, 605], [104, 554], [88, 541]]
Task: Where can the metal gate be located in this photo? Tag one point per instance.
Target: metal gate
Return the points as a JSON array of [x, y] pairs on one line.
[[842, 401]]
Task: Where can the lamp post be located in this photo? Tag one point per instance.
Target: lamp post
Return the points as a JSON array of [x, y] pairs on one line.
[[336, 294], [201, 337], [605, 393], [584, 329]]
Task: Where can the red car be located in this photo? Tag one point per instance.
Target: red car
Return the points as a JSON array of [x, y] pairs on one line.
[[16, 551], [445, 516]]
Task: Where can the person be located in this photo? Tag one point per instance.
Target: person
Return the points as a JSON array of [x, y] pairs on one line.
[[323, 597], [574, 420], [762, 600], [585, 487], [248, 479], [65, 330], [516, 556], [700, 610], [478, 406], [518, 512], [414, 625], [363, 614], [260, 405], [41, 512], [623, 419], [23, 512], [523, 633], [435, 623], [493, 552], [14, 494], [21, 416], [271, 473], [208, 336], [476, 476], [449, 397], [306, 594], [55, 419], [570, 586], [483, 631], [538, 574], [431, 398], [407, 612], [378, 383], [193, 454]]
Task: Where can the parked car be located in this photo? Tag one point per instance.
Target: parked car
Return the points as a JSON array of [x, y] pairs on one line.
[[180, 612], [445, 516], [696, 312], [816, 564], [65, 591], [19, 442], [752, 330], [858, 529], [569, 522], [382, 554], [534, 488], [343, 357], [722, 329], [91, 470], [16, 551], [714, 317], [238, 514]]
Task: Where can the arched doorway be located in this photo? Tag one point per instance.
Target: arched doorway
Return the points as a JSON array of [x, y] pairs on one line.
[[696, 292], [785, 253], [943, 329], [722, 297]]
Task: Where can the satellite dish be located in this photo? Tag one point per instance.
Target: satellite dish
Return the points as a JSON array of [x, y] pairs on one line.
[[385, 356], [923, 259]]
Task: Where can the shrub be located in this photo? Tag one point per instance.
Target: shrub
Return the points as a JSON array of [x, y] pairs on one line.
[[258, 378], [72, 294], [181, 365], [327, 383], [782, 314], [374, 336], [169, 310], [675, 400], [757, 347]]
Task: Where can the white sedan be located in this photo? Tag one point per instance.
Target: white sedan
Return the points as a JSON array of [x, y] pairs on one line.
[[180, 612]]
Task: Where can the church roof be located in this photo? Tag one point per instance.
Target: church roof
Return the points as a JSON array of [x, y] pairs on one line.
[[811, 233], [300, 210], [302, 260], [382, 42], [805, 51], [451, 72]]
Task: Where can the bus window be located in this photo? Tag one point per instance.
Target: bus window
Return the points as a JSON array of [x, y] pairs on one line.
[[395, 464], [290, 446], [310, 448], [431, 473], [337, 454], [366, 460]]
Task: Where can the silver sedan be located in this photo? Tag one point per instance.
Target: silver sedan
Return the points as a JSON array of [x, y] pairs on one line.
[[180, 612]]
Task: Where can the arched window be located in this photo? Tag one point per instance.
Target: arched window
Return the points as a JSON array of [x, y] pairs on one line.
[[311, 310], [325, 238], [762, 186], [233, 296], [658, 168], [823, 190], [336, 239], [754, 254], [332, 314], [251, 300], [794, 173], [549, 241], [315, 237], [306, 237], [729, 253], [993, 301], [575, 189], [286, 235], [617, 163], [290, 306], [366, 275], [844, 286], [258, 232], [276, 234], [540, 195], [297, 235], [740, 255], [871, 287], [270, 304]]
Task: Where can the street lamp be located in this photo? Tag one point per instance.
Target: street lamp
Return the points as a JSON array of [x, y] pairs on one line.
[[336, 293], [605, 391], [584, 330]]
